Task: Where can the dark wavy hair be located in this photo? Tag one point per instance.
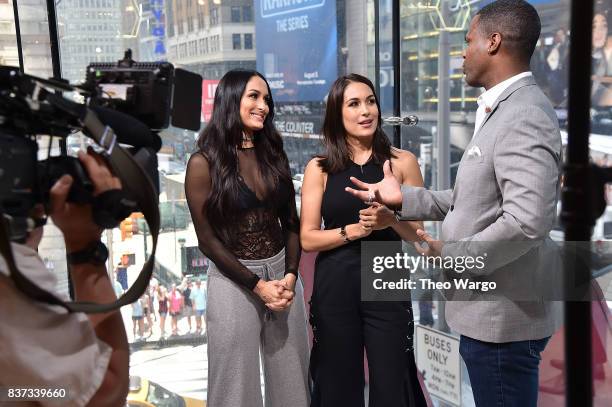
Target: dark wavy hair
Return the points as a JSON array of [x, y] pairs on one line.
[[337, 156], [223, 136]]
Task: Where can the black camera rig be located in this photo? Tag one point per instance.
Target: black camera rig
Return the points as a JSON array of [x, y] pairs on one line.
[[155, 93], [31, 107]]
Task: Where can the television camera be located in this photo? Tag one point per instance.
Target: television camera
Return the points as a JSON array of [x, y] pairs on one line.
[[126, 103]]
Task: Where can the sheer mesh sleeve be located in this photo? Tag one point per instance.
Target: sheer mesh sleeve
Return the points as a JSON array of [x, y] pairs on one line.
[[290, 223], [197, 189]]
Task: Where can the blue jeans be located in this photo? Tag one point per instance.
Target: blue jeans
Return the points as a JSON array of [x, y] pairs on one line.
[[503, 374]]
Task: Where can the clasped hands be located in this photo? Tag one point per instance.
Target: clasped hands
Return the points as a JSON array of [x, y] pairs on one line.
[[277, 295]]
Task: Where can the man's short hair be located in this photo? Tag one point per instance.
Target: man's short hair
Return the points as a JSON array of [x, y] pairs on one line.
[[516, 20]]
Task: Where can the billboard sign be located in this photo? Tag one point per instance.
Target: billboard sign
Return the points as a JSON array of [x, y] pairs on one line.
[[158, 28], [297, 44], [209, 87]]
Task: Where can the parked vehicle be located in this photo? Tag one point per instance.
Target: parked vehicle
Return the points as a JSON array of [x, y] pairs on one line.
[[145, 393]]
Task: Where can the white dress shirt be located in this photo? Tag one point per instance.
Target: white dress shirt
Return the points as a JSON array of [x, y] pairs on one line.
[[487, 99]]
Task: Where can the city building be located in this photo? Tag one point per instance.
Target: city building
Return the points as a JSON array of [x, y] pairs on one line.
[[89, 31], [34, 31], [211, 37]]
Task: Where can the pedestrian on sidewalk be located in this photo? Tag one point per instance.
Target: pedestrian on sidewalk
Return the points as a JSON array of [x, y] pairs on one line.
[[198, 299], [176, 306], [147, 310], [137, 319], [162, 299], [188, 310]]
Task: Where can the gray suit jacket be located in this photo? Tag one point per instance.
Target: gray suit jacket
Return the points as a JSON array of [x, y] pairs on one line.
[[506, 191]]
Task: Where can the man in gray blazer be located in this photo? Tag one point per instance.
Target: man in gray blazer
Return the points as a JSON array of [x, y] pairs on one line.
[[505, 191]]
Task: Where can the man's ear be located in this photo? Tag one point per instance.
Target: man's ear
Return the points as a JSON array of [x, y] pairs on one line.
[[494, 43]]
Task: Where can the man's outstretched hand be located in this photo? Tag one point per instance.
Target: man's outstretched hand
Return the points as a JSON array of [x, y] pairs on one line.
[[386, 192], [433, 248]]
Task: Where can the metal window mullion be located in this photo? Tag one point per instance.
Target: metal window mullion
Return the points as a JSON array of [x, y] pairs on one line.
[[53, 39], [377, 47], [18, 35], [396, 44]]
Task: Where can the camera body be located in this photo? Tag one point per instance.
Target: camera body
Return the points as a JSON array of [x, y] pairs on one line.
[[141, 90], [29, 107], [155, 93], [25, 181]]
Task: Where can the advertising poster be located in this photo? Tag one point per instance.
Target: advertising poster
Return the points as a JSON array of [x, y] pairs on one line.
[[209, 87], [297, 47]]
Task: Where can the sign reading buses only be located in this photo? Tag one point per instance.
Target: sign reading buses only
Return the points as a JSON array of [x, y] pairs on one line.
[[438, 361]]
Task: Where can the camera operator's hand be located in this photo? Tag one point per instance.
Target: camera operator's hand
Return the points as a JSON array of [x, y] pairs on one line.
[[75, 220], [90, 281]]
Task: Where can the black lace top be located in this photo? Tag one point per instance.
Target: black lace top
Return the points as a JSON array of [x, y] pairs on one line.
[[265, 222], [259, 235]]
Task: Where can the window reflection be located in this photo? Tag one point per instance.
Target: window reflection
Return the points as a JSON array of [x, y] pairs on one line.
[[211, 37]]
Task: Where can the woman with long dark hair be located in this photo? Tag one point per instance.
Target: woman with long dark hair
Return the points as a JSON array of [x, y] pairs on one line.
[[343, 325], [242, 203]]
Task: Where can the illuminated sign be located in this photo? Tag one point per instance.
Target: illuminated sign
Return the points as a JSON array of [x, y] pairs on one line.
[[158, 27], [270, 8], [209, 87], [297, 47]]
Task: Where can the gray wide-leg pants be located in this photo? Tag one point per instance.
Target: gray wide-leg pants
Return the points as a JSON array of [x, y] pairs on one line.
[[241, 329]]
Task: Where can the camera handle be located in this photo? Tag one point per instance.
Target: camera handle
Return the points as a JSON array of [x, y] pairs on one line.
[[135, 180]]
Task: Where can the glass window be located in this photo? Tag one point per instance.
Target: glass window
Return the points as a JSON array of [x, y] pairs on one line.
[[301, 52], [8, 40], [248, 41], [427, 39], [35, 42], [236, 41], [247, 13], [213, 44], [214, 16], [235, 14], [201, 19]]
